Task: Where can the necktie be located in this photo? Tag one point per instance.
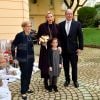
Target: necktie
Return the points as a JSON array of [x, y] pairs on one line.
[[67, 27]]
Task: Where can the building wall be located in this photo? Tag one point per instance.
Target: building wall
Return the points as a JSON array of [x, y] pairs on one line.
[[39, 10], [12, 13]]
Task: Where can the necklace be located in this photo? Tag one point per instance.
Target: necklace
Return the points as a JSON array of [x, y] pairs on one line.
[[50, 30]]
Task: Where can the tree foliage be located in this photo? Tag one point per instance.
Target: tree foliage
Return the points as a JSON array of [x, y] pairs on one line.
[[79, 3], [86, 15]]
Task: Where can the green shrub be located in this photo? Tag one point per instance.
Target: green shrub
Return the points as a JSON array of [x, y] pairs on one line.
[[97, 17], [86, 16], [97, 20], [97, 6]]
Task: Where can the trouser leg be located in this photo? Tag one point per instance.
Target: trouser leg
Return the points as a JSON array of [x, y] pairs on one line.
[[66, 66], [30, 65], [74, 60], [46, 82], [26, 72], [54, 81]]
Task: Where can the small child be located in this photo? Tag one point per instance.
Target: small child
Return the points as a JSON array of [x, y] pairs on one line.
[[6, 71], [5, 93], [55, 64]]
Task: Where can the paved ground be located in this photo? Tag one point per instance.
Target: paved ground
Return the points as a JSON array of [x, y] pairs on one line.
[[89, 80]]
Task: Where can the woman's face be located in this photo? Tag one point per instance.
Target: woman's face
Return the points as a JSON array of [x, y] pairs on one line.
[[50, 18], [27, 28]]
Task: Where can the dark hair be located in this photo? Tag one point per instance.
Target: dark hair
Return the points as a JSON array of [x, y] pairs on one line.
[[51, 40], [54, 39]]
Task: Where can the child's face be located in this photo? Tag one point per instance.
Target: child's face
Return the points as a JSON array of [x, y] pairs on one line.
[[54, 43]]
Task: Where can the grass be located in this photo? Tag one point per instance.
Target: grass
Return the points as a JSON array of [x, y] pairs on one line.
[[91, 36]]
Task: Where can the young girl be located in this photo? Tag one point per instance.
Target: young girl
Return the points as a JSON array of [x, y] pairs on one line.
[[55, 64]]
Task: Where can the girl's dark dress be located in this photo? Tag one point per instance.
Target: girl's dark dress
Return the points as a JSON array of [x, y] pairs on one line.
[[51, 30], [54, 59]]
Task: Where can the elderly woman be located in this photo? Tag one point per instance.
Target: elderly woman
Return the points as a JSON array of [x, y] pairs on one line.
[[46, 31], [25, 56]]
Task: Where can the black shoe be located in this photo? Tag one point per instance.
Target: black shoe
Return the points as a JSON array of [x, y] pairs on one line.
[[50, 88], [46, 87], [24, 96], [46, 84], [55, 88], [66, 83], [76, 84], [29, 91]]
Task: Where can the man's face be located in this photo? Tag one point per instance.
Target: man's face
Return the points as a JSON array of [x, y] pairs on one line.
[[69, 15]]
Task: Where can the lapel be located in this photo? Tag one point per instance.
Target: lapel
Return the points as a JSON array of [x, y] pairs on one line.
[[64, 28]]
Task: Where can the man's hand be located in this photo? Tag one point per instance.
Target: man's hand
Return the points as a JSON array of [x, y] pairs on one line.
[[50, 68], [78, 51]]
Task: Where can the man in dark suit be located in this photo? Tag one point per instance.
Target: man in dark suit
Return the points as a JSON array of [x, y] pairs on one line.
[[71, 39]]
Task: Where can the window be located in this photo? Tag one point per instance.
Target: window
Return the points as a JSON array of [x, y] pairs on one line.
[[51, 4]]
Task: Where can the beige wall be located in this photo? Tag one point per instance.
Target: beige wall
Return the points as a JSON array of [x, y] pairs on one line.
[[12, 13], [38, 11]]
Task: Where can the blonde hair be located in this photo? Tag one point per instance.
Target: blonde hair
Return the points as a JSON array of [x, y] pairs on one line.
[[49, 12], [25, 23]]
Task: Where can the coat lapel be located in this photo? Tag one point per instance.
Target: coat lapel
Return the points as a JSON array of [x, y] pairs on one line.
[[64, 28]]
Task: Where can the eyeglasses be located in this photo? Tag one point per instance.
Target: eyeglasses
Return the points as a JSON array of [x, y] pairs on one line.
[[29, 26], [69, 14]]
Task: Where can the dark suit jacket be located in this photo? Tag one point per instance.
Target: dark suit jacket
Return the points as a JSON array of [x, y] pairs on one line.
[[74, 40], [24, 46], [43, 30]]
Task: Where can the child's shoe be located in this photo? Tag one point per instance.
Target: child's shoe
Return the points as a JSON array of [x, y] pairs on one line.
[[50, 88], [55, 88]]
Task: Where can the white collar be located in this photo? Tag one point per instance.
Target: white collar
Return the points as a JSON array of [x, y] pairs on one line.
[[68, 21]]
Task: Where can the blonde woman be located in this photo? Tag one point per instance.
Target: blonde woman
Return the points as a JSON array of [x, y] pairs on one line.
[[46, 31]]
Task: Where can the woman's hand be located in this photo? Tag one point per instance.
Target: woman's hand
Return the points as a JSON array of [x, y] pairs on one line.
[[50, 68]]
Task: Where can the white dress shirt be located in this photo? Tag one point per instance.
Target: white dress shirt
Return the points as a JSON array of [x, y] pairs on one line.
[[67, 26]]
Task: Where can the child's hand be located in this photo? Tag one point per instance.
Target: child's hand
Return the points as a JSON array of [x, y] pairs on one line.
[[50, 68], [60, 65]]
